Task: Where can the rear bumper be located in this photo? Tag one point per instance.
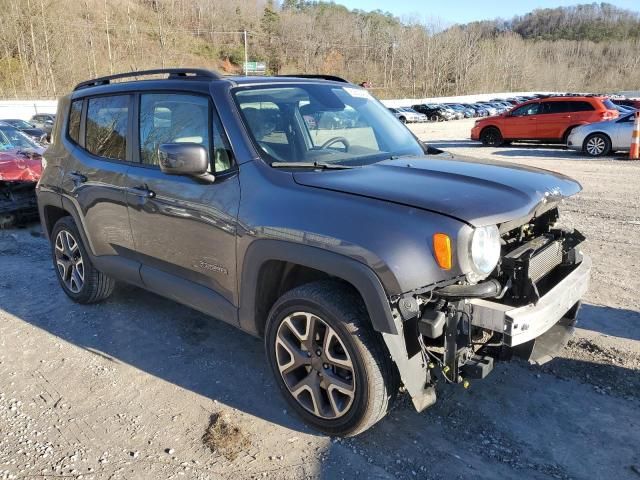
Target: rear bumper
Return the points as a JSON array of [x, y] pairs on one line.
[[475, 133], [523, 324]]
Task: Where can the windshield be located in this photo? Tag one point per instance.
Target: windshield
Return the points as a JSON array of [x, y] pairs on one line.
[[322, 123], [11, 138], [19, 123]]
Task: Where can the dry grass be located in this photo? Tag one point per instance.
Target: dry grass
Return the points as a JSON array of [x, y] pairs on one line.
[[224, 438]]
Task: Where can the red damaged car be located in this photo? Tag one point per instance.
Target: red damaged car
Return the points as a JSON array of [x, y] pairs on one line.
[[20, 169]]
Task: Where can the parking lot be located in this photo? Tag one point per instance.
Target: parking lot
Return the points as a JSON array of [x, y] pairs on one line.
[[139, 387]]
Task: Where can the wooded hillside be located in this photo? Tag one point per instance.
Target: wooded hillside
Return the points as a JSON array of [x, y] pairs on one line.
[[47, 46]]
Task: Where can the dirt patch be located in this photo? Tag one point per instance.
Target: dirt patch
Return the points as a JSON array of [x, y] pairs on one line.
[[224, 438]]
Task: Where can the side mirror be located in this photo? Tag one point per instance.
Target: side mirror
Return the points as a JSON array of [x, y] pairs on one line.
[[183, 159]]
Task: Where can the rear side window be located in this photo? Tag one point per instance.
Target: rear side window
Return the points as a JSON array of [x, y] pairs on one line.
[[582, 107], [74, 120], [106, 128], [555, 107]]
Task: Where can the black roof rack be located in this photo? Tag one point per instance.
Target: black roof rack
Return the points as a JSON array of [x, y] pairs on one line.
[[174, 73], [320, 77]]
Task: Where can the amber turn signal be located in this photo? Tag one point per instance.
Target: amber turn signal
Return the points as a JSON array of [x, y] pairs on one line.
[[442, 250]]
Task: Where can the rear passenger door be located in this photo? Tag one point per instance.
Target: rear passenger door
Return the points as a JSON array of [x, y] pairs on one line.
[[184, 227], [554, 119], [94, 179]]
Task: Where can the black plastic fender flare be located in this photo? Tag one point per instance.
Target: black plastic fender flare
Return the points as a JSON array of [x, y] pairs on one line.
[[357, 274]]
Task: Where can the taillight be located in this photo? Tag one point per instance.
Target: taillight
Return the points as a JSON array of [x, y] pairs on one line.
[[609, 115]]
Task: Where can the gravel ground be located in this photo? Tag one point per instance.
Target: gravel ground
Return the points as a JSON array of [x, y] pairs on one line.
[[141, 388]]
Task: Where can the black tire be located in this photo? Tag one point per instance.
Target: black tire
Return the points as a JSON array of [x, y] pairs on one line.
[[596, 145], [434, 118], [491, 137], [96, 286], [375, 378], [403, 120]]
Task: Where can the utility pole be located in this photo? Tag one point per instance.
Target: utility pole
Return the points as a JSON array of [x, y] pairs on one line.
[[246, 55]]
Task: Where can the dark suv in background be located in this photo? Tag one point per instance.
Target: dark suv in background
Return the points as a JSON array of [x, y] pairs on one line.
[[363, 257]]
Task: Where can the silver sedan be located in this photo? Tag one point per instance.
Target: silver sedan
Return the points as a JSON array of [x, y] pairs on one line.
[[602, 138]]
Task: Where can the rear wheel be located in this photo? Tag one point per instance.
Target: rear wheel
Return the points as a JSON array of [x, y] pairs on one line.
[[491, 137], [79, 279], [403, 120], [597, 145], [330, 365]]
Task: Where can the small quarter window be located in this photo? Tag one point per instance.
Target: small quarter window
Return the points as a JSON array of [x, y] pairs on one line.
[[74, 120], [581, 107], [106, 129]]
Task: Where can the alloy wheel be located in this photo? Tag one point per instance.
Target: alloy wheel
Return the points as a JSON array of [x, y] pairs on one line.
[[596, 146], [315, 365], [69, 261]]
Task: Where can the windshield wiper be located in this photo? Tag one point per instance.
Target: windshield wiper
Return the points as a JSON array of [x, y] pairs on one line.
[[315, 165]]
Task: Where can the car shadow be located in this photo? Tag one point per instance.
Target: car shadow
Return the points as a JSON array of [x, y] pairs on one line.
[[615, 322], [196, 352]]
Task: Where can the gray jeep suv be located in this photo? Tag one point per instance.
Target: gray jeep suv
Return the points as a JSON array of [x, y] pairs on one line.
[[300, 210]]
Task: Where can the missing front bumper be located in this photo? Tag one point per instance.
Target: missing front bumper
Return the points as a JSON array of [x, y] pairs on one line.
[[520, 325]]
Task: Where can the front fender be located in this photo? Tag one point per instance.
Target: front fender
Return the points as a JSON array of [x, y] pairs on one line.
[[357, 274]]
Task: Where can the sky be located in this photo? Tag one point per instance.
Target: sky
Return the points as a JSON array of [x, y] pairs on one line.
[[463, 11]]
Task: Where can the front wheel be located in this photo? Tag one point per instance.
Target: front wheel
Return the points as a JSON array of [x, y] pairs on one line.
[[491, 137], [330, 365], [597, 145]]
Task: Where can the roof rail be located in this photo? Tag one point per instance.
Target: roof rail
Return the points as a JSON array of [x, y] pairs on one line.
[[174, 73], [320, 77]]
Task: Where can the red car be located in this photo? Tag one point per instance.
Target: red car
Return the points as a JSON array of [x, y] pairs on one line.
[[543, 119], [20, 169]]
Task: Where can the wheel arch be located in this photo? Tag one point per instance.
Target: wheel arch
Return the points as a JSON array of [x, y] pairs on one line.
[[597, 132], [271, 267], [487, 127]]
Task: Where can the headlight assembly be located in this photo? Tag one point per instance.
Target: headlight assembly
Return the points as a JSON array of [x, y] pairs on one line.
[[485, 250]]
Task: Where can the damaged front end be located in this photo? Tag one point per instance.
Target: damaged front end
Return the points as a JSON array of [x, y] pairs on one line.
[[19, 173], [527, 307]]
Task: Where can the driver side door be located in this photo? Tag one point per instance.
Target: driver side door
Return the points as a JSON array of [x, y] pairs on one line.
[[522, 123]]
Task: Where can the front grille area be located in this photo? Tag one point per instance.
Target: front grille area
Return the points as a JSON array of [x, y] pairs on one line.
[[531, 268], [545, 260]]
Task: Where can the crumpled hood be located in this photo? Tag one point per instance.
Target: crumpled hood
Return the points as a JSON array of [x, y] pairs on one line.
[[479, 193], [22, 166]]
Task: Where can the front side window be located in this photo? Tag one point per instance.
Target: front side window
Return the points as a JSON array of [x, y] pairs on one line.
[[525, 110], [180, 118], [322, 123], [74, 120], [106, 128]]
